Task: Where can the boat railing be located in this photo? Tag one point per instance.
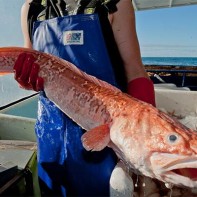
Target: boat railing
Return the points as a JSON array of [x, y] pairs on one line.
[[181, 77]]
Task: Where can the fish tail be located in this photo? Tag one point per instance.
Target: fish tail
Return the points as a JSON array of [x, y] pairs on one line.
[[8, 57]]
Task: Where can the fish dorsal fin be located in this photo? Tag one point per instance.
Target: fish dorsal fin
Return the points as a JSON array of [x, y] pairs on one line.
[[97, 138], [90, 77]]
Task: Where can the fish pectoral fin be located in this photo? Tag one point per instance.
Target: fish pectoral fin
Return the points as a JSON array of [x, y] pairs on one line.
[[97, 138]]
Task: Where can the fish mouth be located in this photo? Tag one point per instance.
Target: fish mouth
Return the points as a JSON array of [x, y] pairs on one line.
[[175, 169]]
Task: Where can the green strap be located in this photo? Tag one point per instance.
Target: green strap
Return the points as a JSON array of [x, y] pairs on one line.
[[92, 7], [44, 2]]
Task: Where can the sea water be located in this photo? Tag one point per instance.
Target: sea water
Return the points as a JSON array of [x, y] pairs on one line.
[[170, 61], [10, 90]]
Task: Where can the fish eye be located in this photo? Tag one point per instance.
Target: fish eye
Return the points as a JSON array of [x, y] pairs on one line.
[[172, 138]]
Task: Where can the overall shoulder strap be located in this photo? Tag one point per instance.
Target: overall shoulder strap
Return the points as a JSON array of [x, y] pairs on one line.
[[95, 5], [103, 8]]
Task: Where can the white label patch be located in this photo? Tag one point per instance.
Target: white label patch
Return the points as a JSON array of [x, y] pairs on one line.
[[74, 37]]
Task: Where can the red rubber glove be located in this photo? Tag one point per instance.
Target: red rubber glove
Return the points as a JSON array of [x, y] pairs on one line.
[[26, 73], [142, 88]]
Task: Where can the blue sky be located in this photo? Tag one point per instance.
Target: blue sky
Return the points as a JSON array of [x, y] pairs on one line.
[[10, 27], [161, 33], [168, 31]]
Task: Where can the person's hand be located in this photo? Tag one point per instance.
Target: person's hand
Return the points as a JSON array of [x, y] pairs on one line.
[[142, 88], [26, 73]]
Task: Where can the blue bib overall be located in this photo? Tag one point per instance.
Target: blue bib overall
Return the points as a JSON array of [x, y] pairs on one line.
[[64, 166]]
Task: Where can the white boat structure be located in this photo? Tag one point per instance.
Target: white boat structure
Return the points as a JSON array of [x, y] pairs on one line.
[[156, 4], [18, 116]]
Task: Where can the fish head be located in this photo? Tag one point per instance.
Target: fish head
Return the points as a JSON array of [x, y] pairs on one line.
[[149, 142], [172, 151], [156, 145]]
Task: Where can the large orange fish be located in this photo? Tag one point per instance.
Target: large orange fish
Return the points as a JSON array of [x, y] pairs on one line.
[[147, 140]]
